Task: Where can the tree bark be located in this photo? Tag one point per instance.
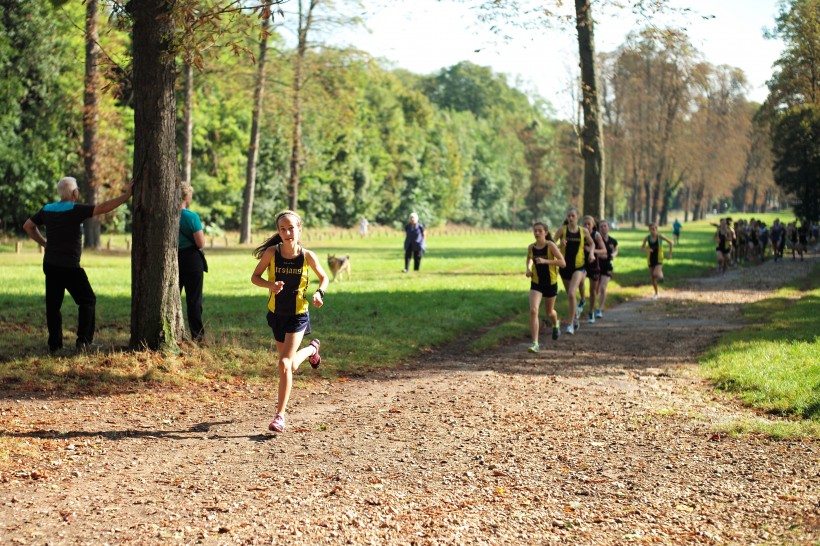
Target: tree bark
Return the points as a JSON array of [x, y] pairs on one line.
[[592, 134], [91, 114], [156, 313], [253, 147], [188, 129]]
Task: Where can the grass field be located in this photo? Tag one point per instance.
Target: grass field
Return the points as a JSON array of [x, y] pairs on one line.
[[470, 280]]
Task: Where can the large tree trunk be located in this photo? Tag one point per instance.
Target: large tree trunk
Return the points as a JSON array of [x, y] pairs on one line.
[[91, 114], [592, 135], [156, 313], [188, 129], [253, 148]]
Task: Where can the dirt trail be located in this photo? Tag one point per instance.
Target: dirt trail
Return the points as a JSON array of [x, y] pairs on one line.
[[602, 438]]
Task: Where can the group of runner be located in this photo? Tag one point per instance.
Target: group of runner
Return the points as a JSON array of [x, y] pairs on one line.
[[574, 253], [741, 241]]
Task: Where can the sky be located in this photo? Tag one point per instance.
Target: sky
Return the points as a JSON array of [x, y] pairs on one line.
[[424, 36]]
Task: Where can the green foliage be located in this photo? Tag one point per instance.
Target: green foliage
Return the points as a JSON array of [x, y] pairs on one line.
[[796, 138], [40, 90], [794, 103]]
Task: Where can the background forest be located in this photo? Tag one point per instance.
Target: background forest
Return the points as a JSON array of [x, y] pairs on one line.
[[459, 146]]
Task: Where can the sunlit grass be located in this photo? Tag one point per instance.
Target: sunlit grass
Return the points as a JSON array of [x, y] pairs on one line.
[[773, 363]]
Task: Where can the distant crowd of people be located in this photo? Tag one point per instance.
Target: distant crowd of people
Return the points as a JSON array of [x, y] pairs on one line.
[[751, 242]]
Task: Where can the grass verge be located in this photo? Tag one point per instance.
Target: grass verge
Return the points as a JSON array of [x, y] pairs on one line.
[[773, 363]]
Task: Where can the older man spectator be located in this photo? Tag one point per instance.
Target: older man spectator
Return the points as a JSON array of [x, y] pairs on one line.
[[61, 261]]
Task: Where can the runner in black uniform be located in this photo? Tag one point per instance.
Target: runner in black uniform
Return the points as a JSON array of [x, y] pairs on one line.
[[723, 249], [653, 247], [543, 261], [593, 266], [570, 239], [611, 246]]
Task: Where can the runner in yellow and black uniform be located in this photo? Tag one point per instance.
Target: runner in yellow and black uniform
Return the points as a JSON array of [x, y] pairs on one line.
[[571, 238], [653, 247], [723, 237], [543, 260], [286, 263]]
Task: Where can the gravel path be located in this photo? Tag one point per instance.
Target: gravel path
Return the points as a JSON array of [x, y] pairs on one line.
[[605, 437]]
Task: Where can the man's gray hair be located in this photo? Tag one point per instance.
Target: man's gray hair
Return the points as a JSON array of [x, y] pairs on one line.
[[66, 186]]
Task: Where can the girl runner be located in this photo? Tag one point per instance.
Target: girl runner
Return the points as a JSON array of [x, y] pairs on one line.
[[653, 247], [593, 266], [543, 261], [723, 238], [286, 264], [570, 239], [611, 246]]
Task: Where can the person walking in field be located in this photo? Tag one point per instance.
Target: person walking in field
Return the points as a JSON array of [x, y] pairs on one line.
[[287, 265], [191, 261], [611, 246], [61, 259], [543, 260], [414, 242], [653, 247], [571, 239], [676, 227]]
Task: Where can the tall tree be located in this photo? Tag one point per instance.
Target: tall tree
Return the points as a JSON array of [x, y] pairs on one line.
[[794, 105], [156, 312], [91, 114], [305, 18], [592, 137], [253, 147]]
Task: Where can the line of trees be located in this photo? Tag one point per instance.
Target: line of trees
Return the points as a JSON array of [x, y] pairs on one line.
[[461, 145], [337, 134]]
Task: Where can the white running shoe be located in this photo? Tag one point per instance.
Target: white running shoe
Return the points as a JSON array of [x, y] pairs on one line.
[[571, 330]]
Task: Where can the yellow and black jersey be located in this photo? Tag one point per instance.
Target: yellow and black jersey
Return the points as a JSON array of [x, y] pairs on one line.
[[724, 241], [573, 242], [542, 273], [292, 300], [655, 251]]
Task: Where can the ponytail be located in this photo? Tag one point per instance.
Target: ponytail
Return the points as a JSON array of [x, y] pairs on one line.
[[273, 241]]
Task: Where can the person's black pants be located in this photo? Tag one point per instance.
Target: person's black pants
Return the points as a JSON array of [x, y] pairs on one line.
[[416, 258], [191, 282], [73, 279]]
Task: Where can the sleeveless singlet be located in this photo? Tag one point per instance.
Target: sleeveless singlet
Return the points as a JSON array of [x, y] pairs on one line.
[[292, 300], [656, 251], [573, 254], [543, 274]]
